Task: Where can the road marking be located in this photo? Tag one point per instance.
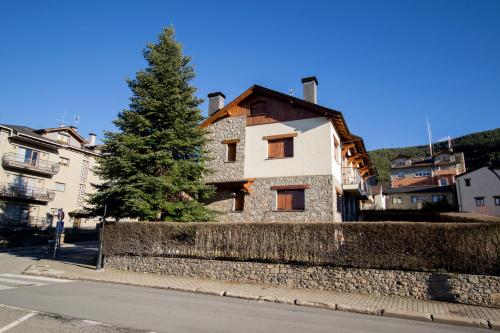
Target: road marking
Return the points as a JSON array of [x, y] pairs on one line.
[[6, 288], [31, 277], [17, 322], [21, 283]]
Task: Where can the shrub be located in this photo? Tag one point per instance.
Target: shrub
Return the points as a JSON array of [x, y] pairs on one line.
[[463, 247]]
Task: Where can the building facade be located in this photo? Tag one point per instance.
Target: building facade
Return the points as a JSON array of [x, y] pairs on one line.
[[275, 157], [478, 191], [42, 171]]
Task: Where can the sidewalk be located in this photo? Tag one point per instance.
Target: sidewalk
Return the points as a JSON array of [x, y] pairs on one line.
[[399, 307]]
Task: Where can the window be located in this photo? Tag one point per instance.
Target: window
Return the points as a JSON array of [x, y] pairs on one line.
[[497, 200], [422, 174], [467, 182], [63, 138], [397, 200], [239, 201], [61, 187], [280, 148], [443, 181], [401, 175], [63, 161], [479, 201], [336, 150], [258, 108], [415, 200], [339, 202], [231, 152], [28, 156], [290, 200], [438, 197]]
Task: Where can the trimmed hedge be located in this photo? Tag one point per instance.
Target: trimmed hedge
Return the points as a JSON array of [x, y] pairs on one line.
[[424, 216], [454, 247]]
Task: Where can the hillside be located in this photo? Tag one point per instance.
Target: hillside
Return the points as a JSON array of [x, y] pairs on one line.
[[481, 148]]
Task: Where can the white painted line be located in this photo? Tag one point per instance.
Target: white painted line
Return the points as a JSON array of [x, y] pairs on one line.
[[21, 283], [17, 322], [40, 278], [6, 287]]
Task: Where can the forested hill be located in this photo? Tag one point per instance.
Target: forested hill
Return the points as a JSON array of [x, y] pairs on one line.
[[480, 149]]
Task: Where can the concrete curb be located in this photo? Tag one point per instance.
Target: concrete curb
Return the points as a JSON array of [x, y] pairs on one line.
[[418, 316]]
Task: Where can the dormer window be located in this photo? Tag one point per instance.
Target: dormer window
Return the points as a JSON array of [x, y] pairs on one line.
[[258, 108]]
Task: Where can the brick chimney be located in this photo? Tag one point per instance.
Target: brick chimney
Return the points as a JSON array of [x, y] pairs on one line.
[[215, 102], [310, 85]]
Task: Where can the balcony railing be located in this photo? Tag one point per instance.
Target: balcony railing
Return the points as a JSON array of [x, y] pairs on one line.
[[25, 192], [351, 180], [24, 222], [19, 161]]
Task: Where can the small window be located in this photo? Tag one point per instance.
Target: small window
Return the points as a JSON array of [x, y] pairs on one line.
[[497, 200], [64, 161], [438, 198], [401, 175], [479, 201], [443, 181], [258, 108], [396, 200], [239, 201], [414, 200], [467, 182], [63, 138], [61, 187], [231, 152], [339, 202], [280, 148], [290, 200]]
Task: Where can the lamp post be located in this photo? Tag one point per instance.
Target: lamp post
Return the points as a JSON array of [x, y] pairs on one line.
[[101, 238]]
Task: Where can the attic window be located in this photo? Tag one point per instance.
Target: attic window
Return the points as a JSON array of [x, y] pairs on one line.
[[258, 108], [63, 138]]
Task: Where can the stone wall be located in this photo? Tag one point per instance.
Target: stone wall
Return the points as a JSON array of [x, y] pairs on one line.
[[463, 288], [226, 129], [260, 204]]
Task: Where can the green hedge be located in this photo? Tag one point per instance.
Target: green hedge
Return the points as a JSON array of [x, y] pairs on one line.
[[424, 216], [458, 247]]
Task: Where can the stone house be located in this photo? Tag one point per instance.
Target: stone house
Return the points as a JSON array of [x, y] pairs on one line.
[[415, 197], [44, 170], [478, 191], [276, 157]]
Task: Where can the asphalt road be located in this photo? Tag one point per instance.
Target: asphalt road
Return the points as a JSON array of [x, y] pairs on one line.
[[76, 306]]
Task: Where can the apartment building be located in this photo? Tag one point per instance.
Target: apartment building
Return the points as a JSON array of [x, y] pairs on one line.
[[478, 191], [276, 157], [43, 170], [417, 181]]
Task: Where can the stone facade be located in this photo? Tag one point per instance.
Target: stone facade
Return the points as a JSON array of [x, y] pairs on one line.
[[406, 199], [260, 204], [231, 128], [462, 288]]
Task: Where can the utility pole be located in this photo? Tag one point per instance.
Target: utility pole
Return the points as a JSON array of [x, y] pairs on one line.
[[101, 238]]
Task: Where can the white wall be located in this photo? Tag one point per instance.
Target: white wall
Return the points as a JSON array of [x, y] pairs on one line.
[[483, 183], [312, 155]]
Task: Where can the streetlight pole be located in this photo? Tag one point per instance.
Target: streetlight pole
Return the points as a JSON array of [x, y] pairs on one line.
[[101, 238]]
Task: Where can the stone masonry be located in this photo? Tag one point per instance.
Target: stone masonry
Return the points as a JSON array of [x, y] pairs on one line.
[[230, 128], [462, 288], [260, 204]]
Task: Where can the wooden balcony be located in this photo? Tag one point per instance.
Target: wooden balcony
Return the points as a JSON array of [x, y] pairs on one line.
[[352, 182], [15, 191], [20, 162]]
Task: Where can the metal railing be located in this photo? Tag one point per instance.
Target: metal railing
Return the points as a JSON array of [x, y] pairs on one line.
[[20, 161], [25, 222], [26, 192]]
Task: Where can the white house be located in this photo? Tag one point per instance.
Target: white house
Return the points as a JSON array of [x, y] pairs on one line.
[[478, 191], [276, 157]]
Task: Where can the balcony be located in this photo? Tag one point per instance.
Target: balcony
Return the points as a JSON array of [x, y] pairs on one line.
[[352, 182], [24, 222], [18, 161], [26, 192]]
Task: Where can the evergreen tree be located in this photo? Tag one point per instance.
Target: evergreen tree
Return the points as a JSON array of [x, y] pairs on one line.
[[153, 166]]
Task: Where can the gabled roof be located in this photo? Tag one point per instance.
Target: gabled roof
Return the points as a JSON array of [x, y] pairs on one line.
[[336, 117], [31, 133], [69, 129], [495, 171]]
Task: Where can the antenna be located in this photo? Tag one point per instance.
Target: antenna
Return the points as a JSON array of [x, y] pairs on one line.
[[429, 133], [62, 122], [76, 120]]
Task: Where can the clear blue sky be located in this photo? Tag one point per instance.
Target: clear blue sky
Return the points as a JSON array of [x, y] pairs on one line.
[[384, 64]]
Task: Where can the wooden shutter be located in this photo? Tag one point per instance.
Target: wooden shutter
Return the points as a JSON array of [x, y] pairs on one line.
[[279, 148], [239, 201], [291, 200], [231, 152]]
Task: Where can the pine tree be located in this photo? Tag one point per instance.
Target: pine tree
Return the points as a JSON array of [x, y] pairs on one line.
[[153, 166]]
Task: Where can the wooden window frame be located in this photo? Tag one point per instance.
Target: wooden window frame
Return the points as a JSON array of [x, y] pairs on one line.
[[239, 206], [290, 200], [230, 155], [285, 140]]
